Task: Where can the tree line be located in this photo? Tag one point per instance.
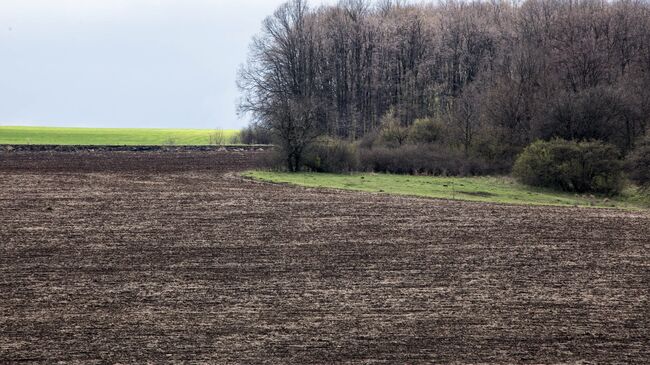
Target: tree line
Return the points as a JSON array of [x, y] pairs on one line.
[[489, 77]]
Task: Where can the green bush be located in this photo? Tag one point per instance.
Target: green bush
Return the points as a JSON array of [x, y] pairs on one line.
[[571, 166], [392, 132], [426, 130], [331, 155], [639, 163]]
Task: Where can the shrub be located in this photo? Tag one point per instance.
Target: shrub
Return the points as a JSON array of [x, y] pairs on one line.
[[409, 159], [426, 130], [274, 159], [218, 137], [639, 163], [571, 166], [491, 144], [255, 134], [332, 155], [421, 159], [392, 132], [370, 139], [171, 141], [235, 138]]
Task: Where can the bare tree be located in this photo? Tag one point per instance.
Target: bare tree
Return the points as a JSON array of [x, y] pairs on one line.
[[339, 69], [279, 81], [465, 115]]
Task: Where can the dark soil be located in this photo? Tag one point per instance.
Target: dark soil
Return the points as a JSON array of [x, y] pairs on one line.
[[139, 163], [170, 257], [76, 148]]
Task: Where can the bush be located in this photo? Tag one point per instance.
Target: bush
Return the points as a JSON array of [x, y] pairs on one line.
[[426, 130], [639, 163], [392, 133], [219, 137], [370, 139], [255, 134], [235, 138], [332, 155], [274, 159], [571, 166], [492, 145], [421, 159]]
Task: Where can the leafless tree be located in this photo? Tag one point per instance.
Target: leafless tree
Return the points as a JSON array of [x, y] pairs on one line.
[[279, 81], [339, 69]]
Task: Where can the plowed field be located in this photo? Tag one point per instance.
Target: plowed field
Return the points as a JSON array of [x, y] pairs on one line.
[[170, 257]]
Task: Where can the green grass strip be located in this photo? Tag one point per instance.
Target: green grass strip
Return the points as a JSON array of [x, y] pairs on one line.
[[481, 189]]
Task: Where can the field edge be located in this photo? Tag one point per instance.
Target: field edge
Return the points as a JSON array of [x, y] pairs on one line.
[[632, 201]]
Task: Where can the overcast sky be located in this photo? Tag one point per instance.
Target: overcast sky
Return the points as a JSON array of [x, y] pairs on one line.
[[125, 63]]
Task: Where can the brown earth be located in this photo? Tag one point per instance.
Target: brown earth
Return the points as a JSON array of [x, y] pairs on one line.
[[169, 257]]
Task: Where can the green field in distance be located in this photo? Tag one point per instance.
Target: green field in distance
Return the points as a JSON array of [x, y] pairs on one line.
[[117, 136]]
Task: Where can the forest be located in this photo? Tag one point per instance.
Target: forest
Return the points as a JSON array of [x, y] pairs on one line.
[[473, 83]]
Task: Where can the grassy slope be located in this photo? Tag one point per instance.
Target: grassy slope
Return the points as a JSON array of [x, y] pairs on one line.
[[107, 136], [484, 189]]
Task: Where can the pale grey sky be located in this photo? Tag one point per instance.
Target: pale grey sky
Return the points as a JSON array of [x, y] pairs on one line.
[[125, 63]]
